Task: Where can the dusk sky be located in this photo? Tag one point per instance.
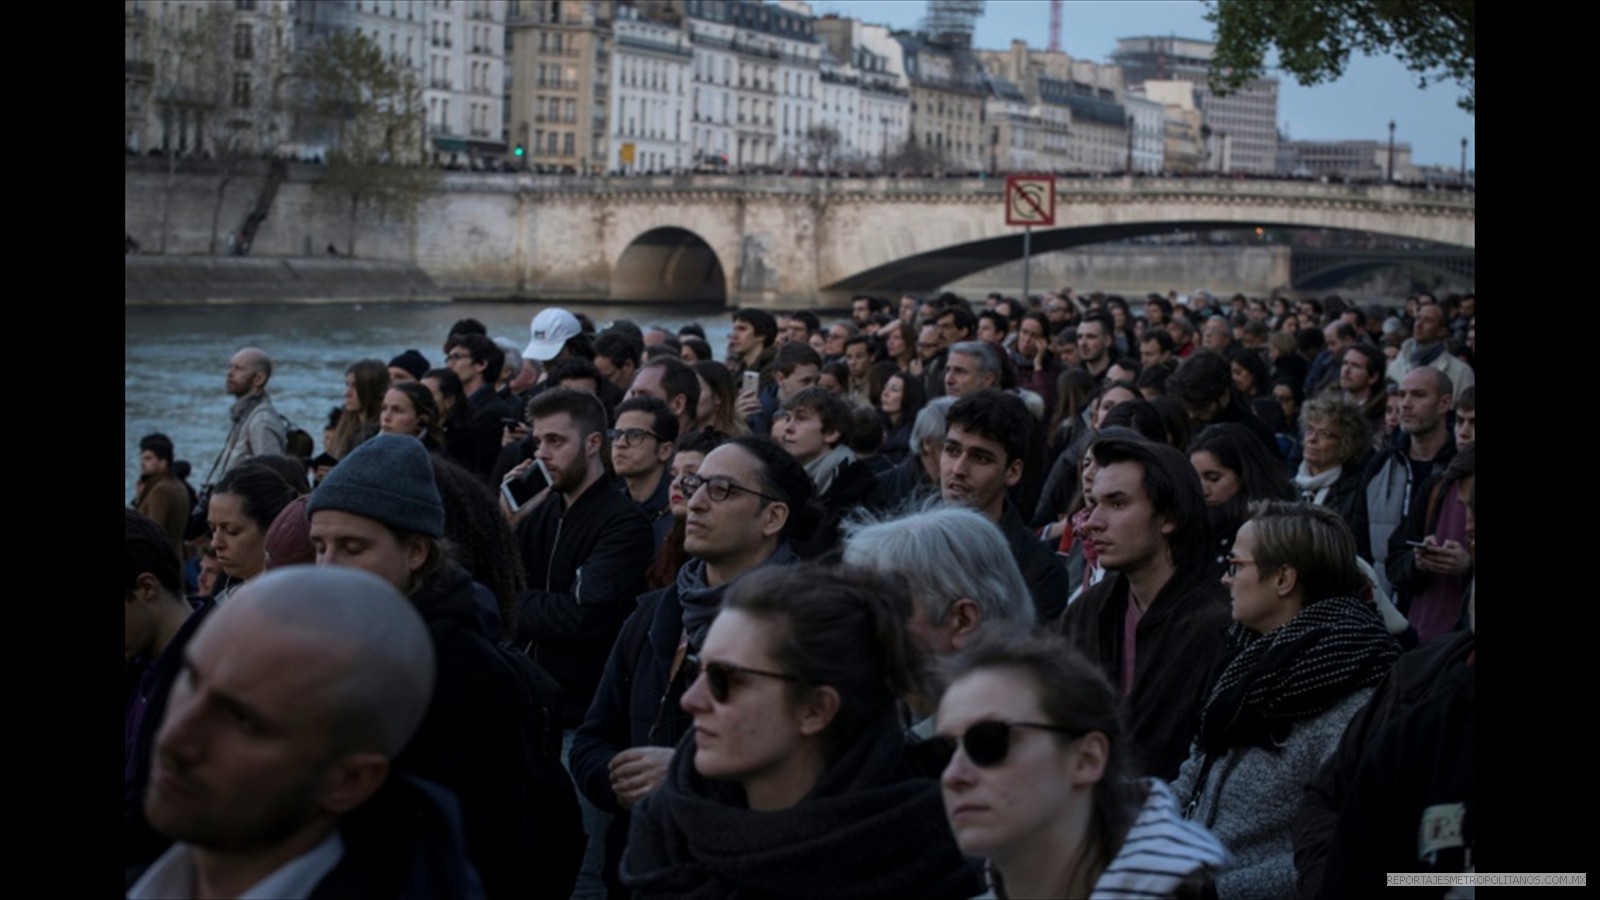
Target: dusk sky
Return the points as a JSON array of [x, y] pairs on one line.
[[1359, 105]]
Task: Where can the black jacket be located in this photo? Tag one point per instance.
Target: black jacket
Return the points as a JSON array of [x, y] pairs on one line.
[[489, 413], [634, 706], [1181, 638], [141, 843], [1415, 678], [852, 484], [585, 566], [1042, 569], [906, 483], [1348, 497], [1413, 804], [405, 842], [474, 740]]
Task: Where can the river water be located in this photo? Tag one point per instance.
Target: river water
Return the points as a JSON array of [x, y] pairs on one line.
[[174, 358]]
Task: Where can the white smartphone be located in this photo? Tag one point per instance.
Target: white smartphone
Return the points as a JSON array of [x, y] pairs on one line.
[[752, 382]]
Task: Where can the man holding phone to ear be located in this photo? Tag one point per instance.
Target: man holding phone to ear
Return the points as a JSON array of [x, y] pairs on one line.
[[584, 550]]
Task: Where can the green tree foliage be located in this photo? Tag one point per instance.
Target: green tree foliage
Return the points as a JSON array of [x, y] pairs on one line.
[[373, 107], [1314, 40]]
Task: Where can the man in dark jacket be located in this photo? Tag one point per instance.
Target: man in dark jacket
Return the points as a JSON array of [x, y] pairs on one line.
[[159, 624], [379, 510], [584, 549], [1204, 385], [986, 437], [477, 360], [1149, 529], [621, 753], [338, 669]]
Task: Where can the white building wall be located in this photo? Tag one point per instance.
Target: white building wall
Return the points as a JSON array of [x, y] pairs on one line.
[[652, 90]]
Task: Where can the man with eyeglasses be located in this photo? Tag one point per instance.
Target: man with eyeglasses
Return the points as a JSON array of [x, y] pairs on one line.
[[746, 503], [642, 443], [477, 361]]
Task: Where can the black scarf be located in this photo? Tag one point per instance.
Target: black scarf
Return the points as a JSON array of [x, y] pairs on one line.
[[700, 602], [1297, 671], [868, 829], [1425, 354]]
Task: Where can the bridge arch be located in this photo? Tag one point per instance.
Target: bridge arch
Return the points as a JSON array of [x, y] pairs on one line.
[[935, 267], [671, 265]]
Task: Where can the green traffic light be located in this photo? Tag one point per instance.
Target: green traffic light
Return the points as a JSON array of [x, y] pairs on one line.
[[519, 150]]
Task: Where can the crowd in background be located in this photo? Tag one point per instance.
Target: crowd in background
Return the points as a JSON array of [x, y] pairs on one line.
[[1161, 598]]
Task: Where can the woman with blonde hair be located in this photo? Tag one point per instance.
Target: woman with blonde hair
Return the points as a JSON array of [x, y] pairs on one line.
[[1307, 651]]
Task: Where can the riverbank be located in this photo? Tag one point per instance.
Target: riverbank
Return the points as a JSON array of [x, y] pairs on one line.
[[201, 280]]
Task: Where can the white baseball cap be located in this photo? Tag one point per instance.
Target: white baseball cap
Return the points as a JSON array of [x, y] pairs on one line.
[[551, 330]]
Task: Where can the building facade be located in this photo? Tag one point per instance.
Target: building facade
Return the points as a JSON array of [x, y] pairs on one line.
[[651, 89], [207, 79], [947, 127], [1243, 125], [560, 61]]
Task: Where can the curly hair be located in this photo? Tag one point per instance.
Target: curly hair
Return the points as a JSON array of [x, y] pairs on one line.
[[1355, 432]]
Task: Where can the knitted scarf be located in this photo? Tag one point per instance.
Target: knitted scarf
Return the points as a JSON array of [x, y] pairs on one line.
[[869, 829], [1297, 671], [700, 602]]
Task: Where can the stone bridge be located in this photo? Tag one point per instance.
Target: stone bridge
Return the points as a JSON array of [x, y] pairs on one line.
[[784, 242]]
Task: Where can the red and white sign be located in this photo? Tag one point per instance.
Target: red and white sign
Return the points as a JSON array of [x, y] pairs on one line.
[[1030, 200]]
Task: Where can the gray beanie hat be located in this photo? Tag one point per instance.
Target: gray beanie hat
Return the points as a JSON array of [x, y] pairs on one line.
[[389, 479]]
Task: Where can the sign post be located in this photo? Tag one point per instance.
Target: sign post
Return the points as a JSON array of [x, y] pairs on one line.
[[1030, 201]]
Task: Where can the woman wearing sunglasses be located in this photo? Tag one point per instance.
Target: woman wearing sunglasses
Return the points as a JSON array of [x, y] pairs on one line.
[[1035, 783], [794, 780], [1306, 655]]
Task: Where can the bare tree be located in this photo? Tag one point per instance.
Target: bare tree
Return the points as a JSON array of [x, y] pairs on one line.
[[822, 145], [217, 85]]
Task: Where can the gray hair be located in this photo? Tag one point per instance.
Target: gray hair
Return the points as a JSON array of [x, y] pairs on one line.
[[380, 700], [513, 364], [945, 553], [983, 356], [930, 422]]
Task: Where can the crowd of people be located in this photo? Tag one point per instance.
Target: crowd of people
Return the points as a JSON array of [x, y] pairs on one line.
[[1040, 598]]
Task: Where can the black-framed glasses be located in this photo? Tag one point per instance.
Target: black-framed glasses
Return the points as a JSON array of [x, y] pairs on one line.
[[629, 437], [986, 743], [719, 488], [720, 676]]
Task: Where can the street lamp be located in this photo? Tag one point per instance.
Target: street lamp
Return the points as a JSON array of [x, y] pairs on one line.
[[1463, 163], [1391, 151]]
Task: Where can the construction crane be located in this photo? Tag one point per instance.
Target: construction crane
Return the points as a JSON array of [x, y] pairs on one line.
[[1055, 26]]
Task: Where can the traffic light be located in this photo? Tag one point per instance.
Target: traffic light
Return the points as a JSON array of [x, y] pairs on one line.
[[518, 151]]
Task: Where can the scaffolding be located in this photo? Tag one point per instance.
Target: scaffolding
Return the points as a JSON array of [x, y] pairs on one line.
[[953, 22]]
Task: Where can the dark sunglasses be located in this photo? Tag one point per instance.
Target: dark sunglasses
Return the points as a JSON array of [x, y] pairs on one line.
[[719, 676], [986, 744]]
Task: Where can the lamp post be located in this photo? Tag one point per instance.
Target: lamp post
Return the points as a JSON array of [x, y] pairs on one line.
[[1391, 151], [1463, 164]]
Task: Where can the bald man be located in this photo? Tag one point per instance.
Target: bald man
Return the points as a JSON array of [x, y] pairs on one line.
[[257, 429], [272, 767]]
